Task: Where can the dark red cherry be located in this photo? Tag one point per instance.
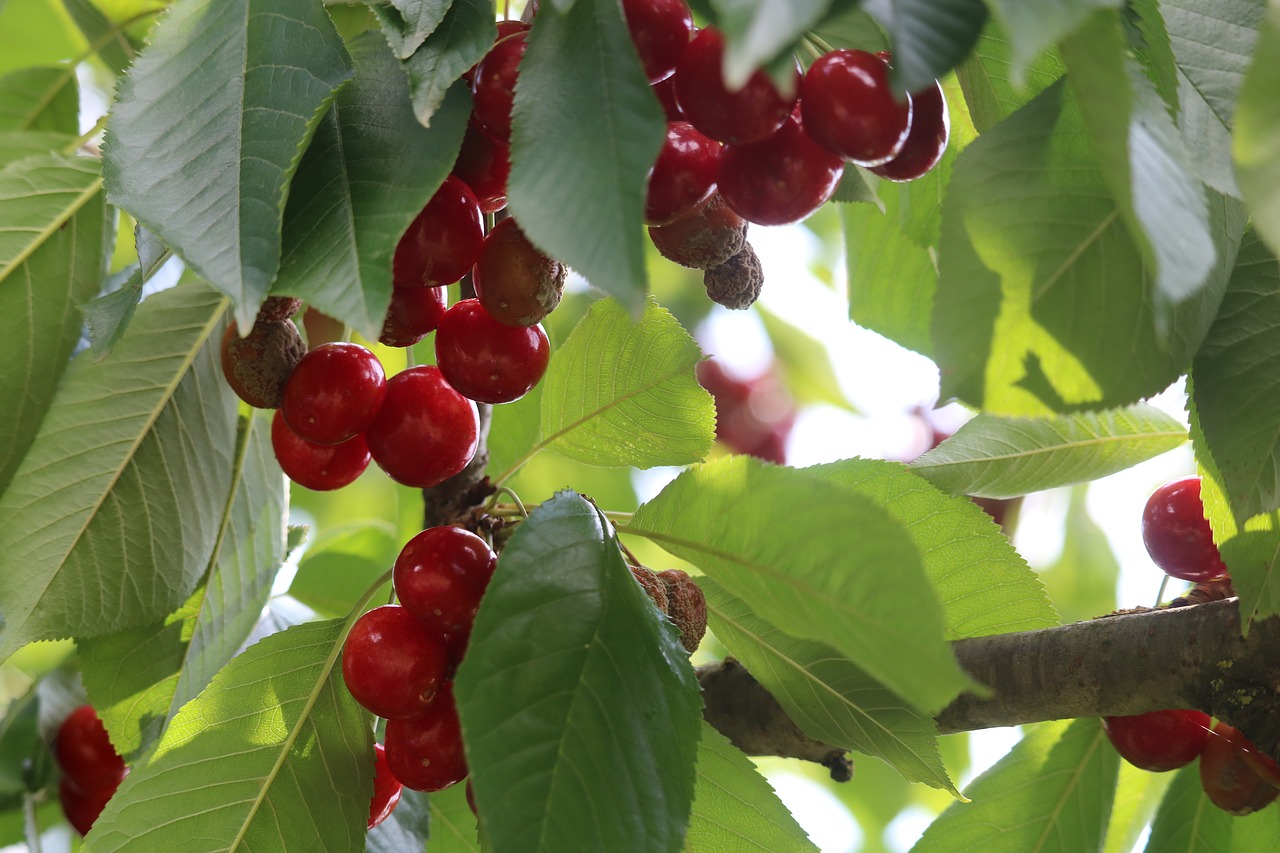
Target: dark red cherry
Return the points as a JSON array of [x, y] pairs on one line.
[[440, 577], [926, 140], [425, 431], [426, 754], [392, 664], [515, 282], [483, 164], [82, 808], [1159, 740], [334, 393], [442, 242], [666, 92], [494, 84], [1227, 777], [485, 360], [683, 176], [746, 115], [386, 788], [849, 107], [84, 751], [1177, 535], [660, 30], [780, 180], [413, 314], [319, 467]]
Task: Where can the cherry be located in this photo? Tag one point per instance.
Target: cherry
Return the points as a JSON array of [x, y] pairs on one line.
[[926, 140], [703, 238], [277, 309], [505, 28], [1226, 776], [319, 467], [683, 176], [515, 282], [440, 577], [82, 808], [413, 314], [258, 366], [485, 360], [849, 107], [334, 393], [426, 754], [753, 416], [494, 84], [386, 788], [425, 431], [483, 164], [781, 179], [84, 751], [441, 244], [746, 115], [666, 92], [660, 30], [1159, 740], [1177, 535], [392, 664]]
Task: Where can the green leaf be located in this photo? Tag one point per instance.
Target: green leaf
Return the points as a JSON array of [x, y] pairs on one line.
[[1033, 28], [408, 827], [994, 85], [1042, 301], [40, 99], [1257, 131], [408, 23], [930, 37], [453, 827], [19, 144], [110, 314], [1187, 822], [341, 565], [154, 427], [36, 32], [579, 708], [758, 31], [53, 236], [585, 130], [462, 39], [803, 363], [622, 392], [1138, 794], [843, 572], [995, 457], [1256, 833], [369, 171], [1051, 794], [831, 699], [112, 45], [207, 166], [734, 808], [273, 755]]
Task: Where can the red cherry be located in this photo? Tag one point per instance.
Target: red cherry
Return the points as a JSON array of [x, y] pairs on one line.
[[746, 115], [334, 393], [666, 92], [660, 30], [425, 431], [515, 282], [1226, 776], [849, 107], [494, 84], [441, 244], [82, 807], [704, 238], [319, 467], [483, 164], [440, 577], [753, 416], [386, 788], [426, 754], [471, 799], [1159, 740], [926, 140], [485, 360], [392, 664], [683, 176], [780, 180], [84, 751], [1177, 535], [413, 314]]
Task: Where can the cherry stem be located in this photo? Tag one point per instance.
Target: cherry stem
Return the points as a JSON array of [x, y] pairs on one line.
[[1160, 595], [819, 43], [504, 490]]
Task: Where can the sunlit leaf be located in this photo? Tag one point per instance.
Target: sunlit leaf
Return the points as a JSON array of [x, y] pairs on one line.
[[990, 79], [1187, 822], [341, 565], [1257, 131], [453, 827], [36, 32]]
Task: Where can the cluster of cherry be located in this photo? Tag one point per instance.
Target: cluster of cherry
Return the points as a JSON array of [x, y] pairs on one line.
[[1235, 775], [753, 416], [92, 770]]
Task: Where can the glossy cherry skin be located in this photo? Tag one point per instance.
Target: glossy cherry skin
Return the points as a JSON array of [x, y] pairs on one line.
[[1159, 740], [440, 577], [82, 808], [393, 664], [426, 754], [1177, 535], [441, 244], [660, 30], [849, 107], [425, 431], [485, 360], [515, 282], [1227, 778], [505, 28], [683, 176], [413, 314], [493, 86], [386, 788], [746, 115], [483, 164], [926, 140], [84, 751], [334, 393], [780, 180], [319, 467], [666, 92]]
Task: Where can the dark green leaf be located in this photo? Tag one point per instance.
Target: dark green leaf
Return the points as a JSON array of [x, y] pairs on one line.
[[1036, 27], [369, 171], [929, 37], [408, 826], [579, 708], [109, 315], [342, 563], [19, 742], [206, 165], [40, 99], [1187, 822], [1257, 131], [408, 23], [112, 45], [462, 39], [585, 130]]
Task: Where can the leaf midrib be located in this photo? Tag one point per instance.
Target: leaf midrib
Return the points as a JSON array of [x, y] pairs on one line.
[[45, 233]]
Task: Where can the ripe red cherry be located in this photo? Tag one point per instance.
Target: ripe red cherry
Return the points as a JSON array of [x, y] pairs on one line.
[[515, 282], [82, 808], [746, 115], [494, 84], [1177, 535], [426, 754], [486, 361], [440, 577], [683, 176], [926, 140], [780, 180], [334, 393], [1227, 778], [413, 314], [1159, 740], [666, 92], [425, 431], [442, 242], [849, 107], [386, 788], [84, 751], [483, 164], [319, 467], [392, 664], [660, 30]]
